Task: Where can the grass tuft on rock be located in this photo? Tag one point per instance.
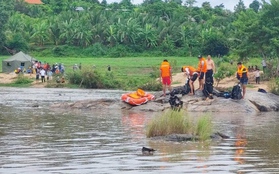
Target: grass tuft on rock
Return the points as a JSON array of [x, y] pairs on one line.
[[204, 127], [173, 122]]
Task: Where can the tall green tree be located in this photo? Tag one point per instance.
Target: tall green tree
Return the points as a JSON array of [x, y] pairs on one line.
[[255, 5], [239, 7], [6, 8]]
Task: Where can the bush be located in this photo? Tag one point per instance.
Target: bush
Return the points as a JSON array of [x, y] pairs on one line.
[[274, 85], [90, 78], [225, 70], [21, 79], [119, 51], [152, 85], [96, 50]]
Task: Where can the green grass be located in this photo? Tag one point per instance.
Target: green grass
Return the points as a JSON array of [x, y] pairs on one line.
[[135, 71], [172, 122]]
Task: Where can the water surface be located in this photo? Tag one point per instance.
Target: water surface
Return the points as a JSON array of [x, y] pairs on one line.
[[40, 140]]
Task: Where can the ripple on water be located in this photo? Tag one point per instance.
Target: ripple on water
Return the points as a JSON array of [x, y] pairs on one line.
[[39, 141]]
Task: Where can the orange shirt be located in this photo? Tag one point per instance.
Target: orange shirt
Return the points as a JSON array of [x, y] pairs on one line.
[[189, 70], [165, 69], [202, 66]]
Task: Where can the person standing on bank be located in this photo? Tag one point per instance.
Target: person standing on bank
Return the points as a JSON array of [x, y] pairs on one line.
[[43, 73], [264, 65], [210, 67], [166, 77], [209, 75], [192, 75], [242, 76], [202, 68]]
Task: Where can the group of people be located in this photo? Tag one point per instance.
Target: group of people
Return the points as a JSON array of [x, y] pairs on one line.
[[204, 73], [44, 71]]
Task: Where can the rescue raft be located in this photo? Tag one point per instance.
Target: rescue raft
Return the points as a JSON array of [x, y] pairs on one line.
[[137, 98]]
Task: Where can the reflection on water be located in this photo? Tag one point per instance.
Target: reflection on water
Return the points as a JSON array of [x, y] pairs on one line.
[[41, 141]]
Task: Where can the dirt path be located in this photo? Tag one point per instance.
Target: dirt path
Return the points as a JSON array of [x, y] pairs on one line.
[[179, 80]]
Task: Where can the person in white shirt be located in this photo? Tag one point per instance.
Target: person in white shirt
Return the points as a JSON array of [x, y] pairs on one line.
[[264, 65], [43, 74], [257, 75]]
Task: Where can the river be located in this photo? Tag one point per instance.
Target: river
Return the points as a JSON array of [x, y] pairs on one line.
[[41, 140]]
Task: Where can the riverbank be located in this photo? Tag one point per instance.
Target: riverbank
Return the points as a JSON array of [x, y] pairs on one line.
[[178, 80]]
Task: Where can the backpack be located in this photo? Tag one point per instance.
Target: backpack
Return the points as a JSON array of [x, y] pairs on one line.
[[225, 95], [262, 90], [236, 92], [175, 103]]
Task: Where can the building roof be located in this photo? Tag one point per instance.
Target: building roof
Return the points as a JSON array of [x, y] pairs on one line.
[[34, 1], [20, 56]]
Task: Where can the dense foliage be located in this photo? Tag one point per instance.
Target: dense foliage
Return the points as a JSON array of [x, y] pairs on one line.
[[155, 27]]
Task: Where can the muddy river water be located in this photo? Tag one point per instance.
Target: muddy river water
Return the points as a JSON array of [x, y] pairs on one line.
[[41, 140]]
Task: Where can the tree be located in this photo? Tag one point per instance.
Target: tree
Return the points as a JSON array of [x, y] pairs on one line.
[[270, 22], [239, 7], [255, 5], [190, 3], [6, 8]]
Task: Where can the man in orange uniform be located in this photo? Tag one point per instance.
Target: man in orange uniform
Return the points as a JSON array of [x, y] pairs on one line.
[[242, 76], [191, 74], [202, 68], [166, 76]]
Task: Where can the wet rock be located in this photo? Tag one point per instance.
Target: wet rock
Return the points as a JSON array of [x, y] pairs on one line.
[[35, 105], [254, 102], [264, 101], [189, 137]]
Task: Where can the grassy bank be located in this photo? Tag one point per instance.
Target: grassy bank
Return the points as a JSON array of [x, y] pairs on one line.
[[131, 72], [127, 72]]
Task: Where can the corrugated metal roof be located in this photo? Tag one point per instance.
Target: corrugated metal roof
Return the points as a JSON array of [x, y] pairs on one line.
[[34, 1]]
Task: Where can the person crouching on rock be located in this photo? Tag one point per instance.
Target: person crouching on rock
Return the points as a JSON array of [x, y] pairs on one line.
[[191, 74]]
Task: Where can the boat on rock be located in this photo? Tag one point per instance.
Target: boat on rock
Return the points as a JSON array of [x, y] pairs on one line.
[[137, 98]]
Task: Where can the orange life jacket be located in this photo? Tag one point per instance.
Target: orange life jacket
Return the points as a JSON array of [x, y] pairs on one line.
[[242, 72], [165, 69], [202, 68]]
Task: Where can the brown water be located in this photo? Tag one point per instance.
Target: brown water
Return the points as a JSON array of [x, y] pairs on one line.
[[38, 140]]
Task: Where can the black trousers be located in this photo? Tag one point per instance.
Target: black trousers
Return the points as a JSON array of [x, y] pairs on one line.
[[209, 81]]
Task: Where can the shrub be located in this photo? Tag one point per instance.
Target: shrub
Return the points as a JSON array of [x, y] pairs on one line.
[[96, 50], [119, 51], [89, 78], [21, 79], [152, 85], [225, 70], [274, 85]]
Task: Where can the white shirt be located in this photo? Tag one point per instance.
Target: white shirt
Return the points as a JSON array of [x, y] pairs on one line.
[[257, 73], [43, 72], [263, 63]]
